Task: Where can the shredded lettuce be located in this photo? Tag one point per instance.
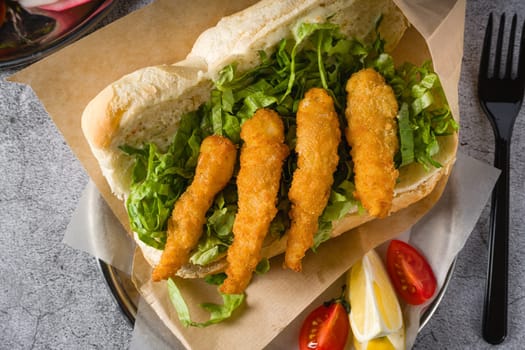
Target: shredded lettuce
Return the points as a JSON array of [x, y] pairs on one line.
[[215, 279], [406, 135], [158, 180], [218, 234], [424, 114], [218, 312], [262, 267], [317, 55]]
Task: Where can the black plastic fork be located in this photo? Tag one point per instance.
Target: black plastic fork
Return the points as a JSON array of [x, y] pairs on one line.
[[500, 96]]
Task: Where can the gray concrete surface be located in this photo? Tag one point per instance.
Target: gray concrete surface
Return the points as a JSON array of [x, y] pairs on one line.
[[53, 297]]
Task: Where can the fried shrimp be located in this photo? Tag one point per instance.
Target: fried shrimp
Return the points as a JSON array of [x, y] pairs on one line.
[[214, 169], [318, 137], [372, 134], [261, 161]]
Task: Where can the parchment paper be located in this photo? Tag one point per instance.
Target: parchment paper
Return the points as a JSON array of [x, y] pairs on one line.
[[164, 33], [439, 235]]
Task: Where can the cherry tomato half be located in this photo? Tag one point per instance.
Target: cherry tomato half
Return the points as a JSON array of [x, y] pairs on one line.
[[410, 273], [325, 328]]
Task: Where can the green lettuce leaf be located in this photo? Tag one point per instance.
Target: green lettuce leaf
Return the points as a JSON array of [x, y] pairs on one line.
[[216, 279], [262, 267], [426, 117], [406, 136], [218, 312], [159, 178]]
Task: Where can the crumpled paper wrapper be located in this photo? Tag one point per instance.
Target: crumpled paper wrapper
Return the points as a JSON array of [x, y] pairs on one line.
[[439, 235], [163, 33]]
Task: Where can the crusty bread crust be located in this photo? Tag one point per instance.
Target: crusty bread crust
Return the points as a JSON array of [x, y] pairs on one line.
[[146, 105]]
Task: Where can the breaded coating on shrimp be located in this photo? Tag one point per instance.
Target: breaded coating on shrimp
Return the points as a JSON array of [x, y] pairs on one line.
[[318, 137], [261, 161], [372, 133], [214, 169]]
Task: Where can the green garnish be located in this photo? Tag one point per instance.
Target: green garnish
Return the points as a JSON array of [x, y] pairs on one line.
[[218, 312]]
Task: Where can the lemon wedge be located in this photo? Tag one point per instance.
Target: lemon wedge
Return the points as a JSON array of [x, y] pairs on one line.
[[394, 341], [375, 312]]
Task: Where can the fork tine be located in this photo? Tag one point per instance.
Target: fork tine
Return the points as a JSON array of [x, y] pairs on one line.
[[499, 45], [485, 53], [510, 53], [521, 63]]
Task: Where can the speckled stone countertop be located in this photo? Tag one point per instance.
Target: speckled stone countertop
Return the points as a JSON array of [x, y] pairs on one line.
[[54, 297]]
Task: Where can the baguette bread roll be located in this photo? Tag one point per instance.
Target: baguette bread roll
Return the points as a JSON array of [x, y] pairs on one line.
[[147, 105]]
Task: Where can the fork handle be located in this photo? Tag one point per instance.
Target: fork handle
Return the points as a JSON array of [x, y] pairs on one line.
[[495, 310]]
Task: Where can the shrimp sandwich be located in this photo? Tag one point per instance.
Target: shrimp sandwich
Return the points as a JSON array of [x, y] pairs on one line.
[[288, 124]]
